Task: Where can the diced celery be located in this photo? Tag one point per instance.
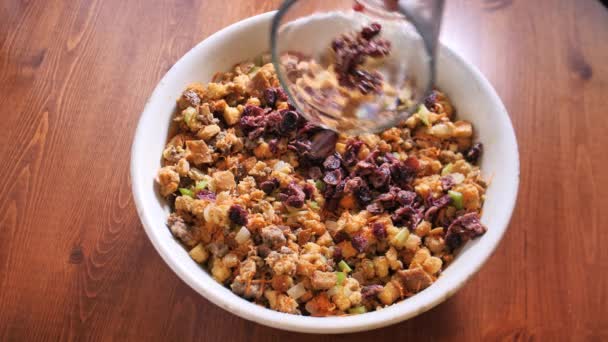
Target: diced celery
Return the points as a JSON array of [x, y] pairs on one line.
[[320, 185], [344, 267], [334, 290], [423, 114], [186, 192], [253, 70], [446, 170], [357, 310], [456, 199], [341, 276], [313, 204], [200, 185]]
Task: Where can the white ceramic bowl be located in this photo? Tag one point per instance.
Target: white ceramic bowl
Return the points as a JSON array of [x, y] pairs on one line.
[[472, 95]]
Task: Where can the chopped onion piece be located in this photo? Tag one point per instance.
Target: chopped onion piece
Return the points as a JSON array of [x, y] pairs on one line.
[[282, 167], [297, 290], [332, 226], [457, 177], [242, 236], [334, 290]]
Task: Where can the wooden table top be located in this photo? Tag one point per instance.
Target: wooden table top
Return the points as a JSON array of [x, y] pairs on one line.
[[75, 263]]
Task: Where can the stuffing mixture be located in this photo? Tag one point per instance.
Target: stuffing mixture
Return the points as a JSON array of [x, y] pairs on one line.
[[306, 221]]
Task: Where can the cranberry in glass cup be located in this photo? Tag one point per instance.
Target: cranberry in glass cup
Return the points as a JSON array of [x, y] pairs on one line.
[[356, 66]]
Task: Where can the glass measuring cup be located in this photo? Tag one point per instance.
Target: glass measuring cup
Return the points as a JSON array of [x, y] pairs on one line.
[[356, 66]]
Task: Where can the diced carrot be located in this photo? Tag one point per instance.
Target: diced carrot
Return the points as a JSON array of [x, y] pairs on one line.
[[348, 201]]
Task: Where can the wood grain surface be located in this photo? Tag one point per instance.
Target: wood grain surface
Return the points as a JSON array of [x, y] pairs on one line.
[[75, 263]]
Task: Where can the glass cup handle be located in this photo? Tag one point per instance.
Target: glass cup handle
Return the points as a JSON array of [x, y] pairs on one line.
[[425, 15]]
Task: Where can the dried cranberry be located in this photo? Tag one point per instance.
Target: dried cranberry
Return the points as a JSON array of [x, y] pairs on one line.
[[289, 122], [379, 230], [294, 202], [390, 158], [435, 205], [374, 157], [237, 214], [406, 197], [281, 95], [270, 96], [378, 48], [192, 98], [447, 182], [407, 216], [332, 162], [381, 176], [300, 146], [370, 291], [366, 81], [359, 242], [251, 110], [473, 154], [263, 250], [403, 173], [315, 172], [332, 204], [205, 195], [359, 188], [371, 31], [374, 209], [352, 149], [340, 236], [339, 190], [337, 255], [296, 196], [309, 190], [387, 200], [351, 52], [323, 143], [358, 7], [269, 186], [273, 144], [273, 121], [249, 123], [309, 128], [453, 241], [463, 229], [364, 168], [256, 133], [429, 101], [333, 177], [352, 184], [363, 195]]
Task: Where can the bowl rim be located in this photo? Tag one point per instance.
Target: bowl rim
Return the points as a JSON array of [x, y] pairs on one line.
[[392, 314]]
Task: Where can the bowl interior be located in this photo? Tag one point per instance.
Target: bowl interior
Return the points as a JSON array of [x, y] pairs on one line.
[[474, 99]]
